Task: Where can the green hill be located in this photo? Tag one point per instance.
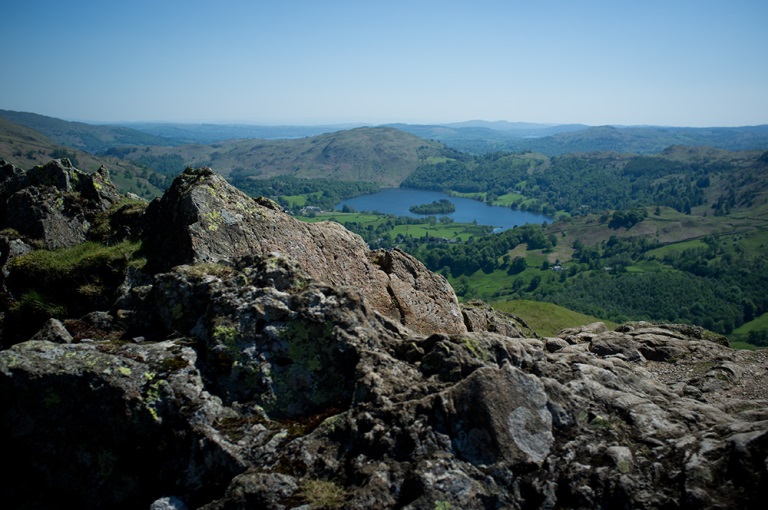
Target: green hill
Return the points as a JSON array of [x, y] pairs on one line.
[[79, 135], [382, 155], [26, 148], [482, 138]]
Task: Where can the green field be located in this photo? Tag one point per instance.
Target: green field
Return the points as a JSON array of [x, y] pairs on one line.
[[461, 231], [547, 319], [344, 218], [300, 200]]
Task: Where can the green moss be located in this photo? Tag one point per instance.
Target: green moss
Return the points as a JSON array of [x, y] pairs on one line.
[[173, 364], [225, 334], [152, 396], [477, 351], [602, 423], [703, 367], [624, 467]]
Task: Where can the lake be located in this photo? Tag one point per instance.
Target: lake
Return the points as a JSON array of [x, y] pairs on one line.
[[397, 201]]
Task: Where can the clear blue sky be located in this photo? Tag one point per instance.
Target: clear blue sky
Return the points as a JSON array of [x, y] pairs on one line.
[[661, 62]]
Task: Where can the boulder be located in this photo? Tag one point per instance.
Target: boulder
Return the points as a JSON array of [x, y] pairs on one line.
[[202, 219]]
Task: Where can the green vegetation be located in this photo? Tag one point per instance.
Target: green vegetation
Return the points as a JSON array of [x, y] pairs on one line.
[[547, 319], [442, 206], [754, 332], [76, 280], [294, 193], [678, 236], [581, 183], [388, 231]]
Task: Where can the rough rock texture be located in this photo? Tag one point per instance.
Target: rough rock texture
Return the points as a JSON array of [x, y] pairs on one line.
[[53, 203], [261, 383], [203, 219], [479, 316], [274, 390]]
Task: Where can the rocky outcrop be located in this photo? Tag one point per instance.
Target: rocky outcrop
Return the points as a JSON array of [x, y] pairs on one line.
[[203, 219], [266, 388], [53, 203], [259, 368]]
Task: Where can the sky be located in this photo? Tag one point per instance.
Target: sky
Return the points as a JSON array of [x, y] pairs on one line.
[[695, 63]]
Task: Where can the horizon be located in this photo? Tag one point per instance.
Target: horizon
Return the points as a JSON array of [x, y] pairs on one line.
[[352, 125], [676, 64]]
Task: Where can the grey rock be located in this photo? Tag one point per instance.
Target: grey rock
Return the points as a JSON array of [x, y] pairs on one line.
[[54, 203], [168, 503], [53, 331], [272, 374], [203, 219]]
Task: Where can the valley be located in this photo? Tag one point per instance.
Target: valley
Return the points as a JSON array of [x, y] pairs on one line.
[[677, 235]]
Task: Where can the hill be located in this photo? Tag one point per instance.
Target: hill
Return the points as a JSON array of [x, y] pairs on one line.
[[212, 133], [485, 137], [26, 148], [648, 140], [86, 137], [546, 319], [382, 155], [680, 177]]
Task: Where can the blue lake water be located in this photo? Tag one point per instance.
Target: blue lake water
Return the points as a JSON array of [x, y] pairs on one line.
[[397, 201]]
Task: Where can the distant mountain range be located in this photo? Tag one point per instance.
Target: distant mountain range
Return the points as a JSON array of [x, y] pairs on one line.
[[475, 136]]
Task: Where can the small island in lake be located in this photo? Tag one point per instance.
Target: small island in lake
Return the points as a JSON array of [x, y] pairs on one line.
[[441, 206]]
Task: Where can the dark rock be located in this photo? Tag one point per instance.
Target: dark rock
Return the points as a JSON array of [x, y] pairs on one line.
[[54, 203], [615, 344], [277, 388]]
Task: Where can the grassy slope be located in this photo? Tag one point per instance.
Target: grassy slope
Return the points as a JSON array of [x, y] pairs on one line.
[[382, 155], [79, 135], [547, 319], [26, 148]]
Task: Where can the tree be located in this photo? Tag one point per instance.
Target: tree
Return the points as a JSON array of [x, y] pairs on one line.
[[517, 266]]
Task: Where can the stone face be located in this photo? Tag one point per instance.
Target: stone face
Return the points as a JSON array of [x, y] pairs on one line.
[[499, 415], [203, 219]]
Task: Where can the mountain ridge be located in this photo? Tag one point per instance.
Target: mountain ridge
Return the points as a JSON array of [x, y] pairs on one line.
[[476, 136]]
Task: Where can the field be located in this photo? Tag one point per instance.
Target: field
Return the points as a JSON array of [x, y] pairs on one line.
[[453, 231], [546, 319]]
